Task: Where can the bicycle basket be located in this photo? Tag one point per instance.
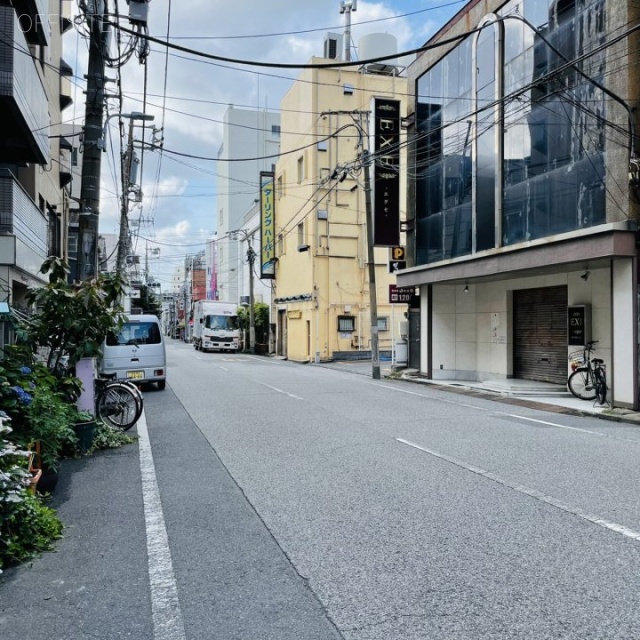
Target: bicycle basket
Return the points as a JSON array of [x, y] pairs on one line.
[[576, 358]]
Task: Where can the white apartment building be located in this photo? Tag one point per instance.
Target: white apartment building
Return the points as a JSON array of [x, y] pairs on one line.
[[248, 134]]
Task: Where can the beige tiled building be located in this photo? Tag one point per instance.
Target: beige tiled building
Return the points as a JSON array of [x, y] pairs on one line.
[[321, 300]]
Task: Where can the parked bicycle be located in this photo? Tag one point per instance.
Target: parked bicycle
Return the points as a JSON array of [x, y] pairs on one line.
[[588, 381], [118, 402]]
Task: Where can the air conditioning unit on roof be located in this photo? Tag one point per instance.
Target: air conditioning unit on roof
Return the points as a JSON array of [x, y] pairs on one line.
[[333, 46]]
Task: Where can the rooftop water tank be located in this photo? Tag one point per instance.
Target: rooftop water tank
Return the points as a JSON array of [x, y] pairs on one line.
[[378, 45]]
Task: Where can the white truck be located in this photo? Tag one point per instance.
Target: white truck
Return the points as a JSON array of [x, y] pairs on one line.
[[215, 326]]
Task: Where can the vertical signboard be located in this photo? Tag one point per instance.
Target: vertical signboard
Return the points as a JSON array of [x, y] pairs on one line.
[[386, 172], [267, 226], [579, 324]]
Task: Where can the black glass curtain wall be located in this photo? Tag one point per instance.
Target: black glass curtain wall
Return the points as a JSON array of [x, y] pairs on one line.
[[519, 153]]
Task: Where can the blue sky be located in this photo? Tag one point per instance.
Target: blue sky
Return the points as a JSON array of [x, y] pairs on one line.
[[179, 205]]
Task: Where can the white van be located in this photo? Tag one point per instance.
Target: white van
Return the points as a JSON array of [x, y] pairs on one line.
[[137, 352]]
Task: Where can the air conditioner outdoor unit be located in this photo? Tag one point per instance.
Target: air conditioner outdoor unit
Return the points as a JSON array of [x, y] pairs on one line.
[[244, 300], [333, 46]]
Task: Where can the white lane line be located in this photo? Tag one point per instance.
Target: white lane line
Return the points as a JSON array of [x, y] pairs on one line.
[[165, 607], [601, 522], [555, 424], [280, 391], [510, 415], [264, 360], [564, 426], [426, 397]]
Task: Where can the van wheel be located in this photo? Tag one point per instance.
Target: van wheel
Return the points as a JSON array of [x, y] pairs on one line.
[[162, 384]]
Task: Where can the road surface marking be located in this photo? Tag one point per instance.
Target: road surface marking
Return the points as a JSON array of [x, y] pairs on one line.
[[280, 391], [165, 607], [426, 397], [576, 511], [554, 424], [512, 415]]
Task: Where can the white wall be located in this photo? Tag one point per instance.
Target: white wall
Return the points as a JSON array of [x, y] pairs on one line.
[[473, 334], [621, 374]]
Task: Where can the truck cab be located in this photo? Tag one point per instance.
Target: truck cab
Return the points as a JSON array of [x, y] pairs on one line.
[[215, 326]]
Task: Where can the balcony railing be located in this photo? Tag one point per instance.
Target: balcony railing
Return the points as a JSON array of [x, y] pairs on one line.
[[23, 101], [20, 217]]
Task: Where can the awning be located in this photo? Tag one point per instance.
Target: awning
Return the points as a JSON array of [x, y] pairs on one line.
[[5, 312]]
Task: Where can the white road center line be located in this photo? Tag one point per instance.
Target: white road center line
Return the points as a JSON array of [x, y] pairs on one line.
[[165, 607], [537, 495]]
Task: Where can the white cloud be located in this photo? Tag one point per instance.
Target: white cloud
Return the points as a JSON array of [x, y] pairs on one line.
[[170, 186]]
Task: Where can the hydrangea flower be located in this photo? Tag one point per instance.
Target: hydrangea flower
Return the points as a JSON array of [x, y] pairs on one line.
[[23, 396], [25, 371]]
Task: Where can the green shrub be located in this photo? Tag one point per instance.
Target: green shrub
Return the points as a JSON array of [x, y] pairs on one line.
[[27, 527], [107, 437], [39, 411]]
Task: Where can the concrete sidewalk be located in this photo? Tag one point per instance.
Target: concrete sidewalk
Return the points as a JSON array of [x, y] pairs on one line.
[[542, 395]]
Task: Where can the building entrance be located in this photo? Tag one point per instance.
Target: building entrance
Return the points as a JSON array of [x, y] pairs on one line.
[[540, 334]]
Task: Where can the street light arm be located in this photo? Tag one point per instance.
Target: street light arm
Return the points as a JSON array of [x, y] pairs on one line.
[[134, 115]]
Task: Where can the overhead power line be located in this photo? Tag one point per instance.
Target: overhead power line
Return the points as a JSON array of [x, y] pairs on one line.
[[283, 65]]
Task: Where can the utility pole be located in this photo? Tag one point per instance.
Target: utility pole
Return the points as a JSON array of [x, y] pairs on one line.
[[123, 238], [96, 13], [91, 157], [373, 300], [251, 257]]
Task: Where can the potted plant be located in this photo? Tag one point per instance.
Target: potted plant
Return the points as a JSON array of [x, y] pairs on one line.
[[84, 427]]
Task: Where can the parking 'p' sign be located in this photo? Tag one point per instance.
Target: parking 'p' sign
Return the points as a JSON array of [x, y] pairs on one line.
[[396, 259]]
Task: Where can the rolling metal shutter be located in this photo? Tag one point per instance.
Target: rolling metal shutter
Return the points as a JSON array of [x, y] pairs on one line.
[[540, 334]]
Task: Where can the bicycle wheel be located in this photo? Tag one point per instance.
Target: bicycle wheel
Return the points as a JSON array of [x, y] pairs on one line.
[[134, 389], [117, 406], [138, 396], [601, 386], [581, 384]]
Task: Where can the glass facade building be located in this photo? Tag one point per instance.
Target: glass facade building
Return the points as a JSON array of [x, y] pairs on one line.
[[510, 135]]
